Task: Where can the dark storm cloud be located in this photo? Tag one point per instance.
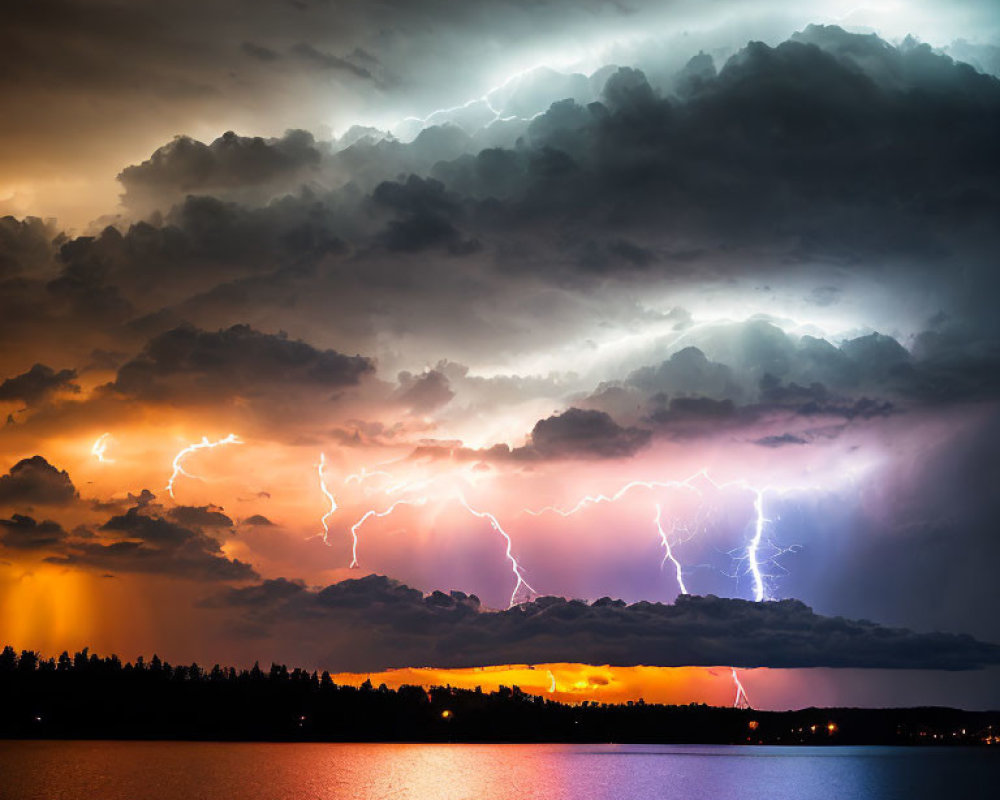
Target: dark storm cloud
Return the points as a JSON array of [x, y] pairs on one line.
[[425, 213], [37, 384], [22, 532], [802, 154], [232, 361], [780, 440], [402, 627], [141, 541], [45, 294], [35, 481], [768, 371], [424, 393], [200, 517], [793, 136], [806, 149], [582, 433], [26, 245], [185, 166]]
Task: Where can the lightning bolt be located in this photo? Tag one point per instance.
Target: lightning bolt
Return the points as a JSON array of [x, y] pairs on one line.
[[520, 582], [485, 99], [378, 515], [753, 548], [365, 474], [100, 448], [596, 499], [668, 553], [751, 552], [320, 469], [204, 444], [741, 700]]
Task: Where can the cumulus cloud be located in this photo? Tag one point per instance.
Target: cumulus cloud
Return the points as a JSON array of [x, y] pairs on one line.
[[191, 362], [22, 532], [35, 481], [401, 627], [200, 516], [37, 384], [423, 393], [582, 433], [142, 541], [231, 166]]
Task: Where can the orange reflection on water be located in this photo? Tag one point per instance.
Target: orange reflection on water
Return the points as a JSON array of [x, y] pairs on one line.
[[571, 683]]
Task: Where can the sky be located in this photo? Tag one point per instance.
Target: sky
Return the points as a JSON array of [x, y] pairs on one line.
[[630, 342]]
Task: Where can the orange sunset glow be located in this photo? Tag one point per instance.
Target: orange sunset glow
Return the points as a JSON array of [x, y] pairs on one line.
[[572, 683]]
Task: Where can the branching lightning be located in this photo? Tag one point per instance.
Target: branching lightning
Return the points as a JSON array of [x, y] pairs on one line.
[[377, 514], [595, 499], [320, 469], [204, 444], [520, 583], [101, 447], [485, 99], [414, 497], [668, 553], [364, 475], [750, 554]]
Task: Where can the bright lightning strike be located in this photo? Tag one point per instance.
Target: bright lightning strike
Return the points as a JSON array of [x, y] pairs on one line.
[[754, 547], [204, 444], [741, 700], [486, 99], [100, 448], [520, 583], [668, 553], [377, 514], [320, 469], [365, 474], [603, 498], [751, 553]]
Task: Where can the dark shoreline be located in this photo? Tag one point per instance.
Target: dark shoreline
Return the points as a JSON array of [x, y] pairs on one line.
[[92, 698]]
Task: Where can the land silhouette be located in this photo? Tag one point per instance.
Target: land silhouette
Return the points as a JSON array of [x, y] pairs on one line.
[[86, 696]]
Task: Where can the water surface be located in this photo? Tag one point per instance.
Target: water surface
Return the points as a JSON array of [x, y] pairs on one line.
[[253, 771]]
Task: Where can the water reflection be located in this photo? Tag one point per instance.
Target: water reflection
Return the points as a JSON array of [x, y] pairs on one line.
[[219, 771]]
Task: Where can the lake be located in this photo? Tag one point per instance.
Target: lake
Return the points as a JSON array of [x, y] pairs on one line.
[[253, 771]]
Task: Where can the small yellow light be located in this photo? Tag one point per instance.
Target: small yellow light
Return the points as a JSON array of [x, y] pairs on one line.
[[753, 724], [446, 714], [831, 727]]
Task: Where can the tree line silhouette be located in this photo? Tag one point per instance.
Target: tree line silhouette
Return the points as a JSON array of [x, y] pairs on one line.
[[88, 696]]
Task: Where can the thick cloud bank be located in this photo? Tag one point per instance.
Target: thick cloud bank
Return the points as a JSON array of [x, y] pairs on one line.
[[401, 627]]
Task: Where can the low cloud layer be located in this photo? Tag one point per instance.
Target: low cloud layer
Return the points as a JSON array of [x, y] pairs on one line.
[[401, 627]]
